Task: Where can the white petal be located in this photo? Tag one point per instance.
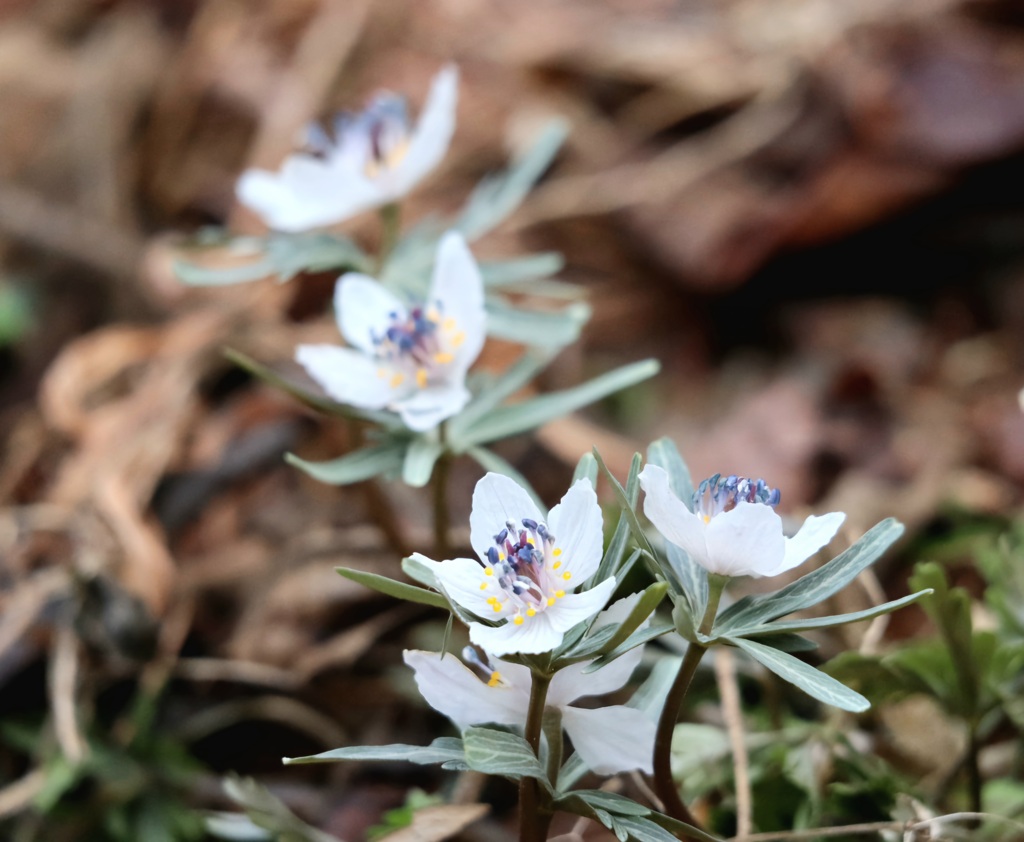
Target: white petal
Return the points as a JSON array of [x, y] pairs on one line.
[[456, 691], [572, 683], [306, 193], [670, 516], [347, 375], [574, 608], [424, 409], [612, 739], [433, 132], [816, 532], [576, 523], [534, 636], [746, 541], [458, 288], [364, 308], [497, 499], [462, 579]]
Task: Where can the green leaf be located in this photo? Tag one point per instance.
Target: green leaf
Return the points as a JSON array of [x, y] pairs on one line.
[[624, 502], [813, 682], [552, 329], [827, 622], [500, 273], [497, 196], [418, 571], [639, 638], [269, 812], [692, 578], [317, 251], [641, 612], [491, 461], [785, 642], [586, 468], [391, 587], [420, 459], [447, 751], [611, 562], [501, 753], [311, 399], [356, 466], [610, 802], [816, 586], [511, 420], [196, 275], [517, 376]]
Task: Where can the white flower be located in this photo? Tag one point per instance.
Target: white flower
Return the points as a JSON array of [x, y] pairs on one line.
[[528, 569], [373, 159], [412, 360], [609, 739], [734, 530]]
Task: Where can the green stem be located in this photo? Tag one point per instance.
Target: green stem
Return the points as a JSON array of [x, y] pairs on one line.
[[534, 818], [664, 783], [441, 471], [553, 737], [390, 228]]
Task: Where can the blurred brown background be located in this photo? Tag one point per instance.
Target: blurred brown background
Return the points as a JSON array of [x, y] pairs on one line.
[[812, 211]]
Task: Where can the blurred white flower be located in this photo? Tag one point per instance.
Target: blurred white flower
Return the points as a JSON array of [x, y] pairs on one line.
[[412, 360], [373, 158], [609, 739], [528, 569], [733, 530]]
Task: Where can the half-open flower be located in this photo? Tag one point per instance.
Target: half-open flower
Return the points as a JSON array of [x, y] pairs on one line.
[[733, 529], [609, 739], [414, 359], [371, 159], [529, 567]]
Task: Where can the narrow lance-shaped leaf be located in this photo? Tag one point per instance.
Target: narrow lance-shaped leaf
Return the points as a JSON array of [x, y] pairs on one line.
[[496, 197], [587, 469], [538, 328], [514, 379], [519, 269], [419, 462], [354, 467], [827, 622], [391, 587], [444, 750], [510, 420], [612, 560], [813, 682], [816, 586]]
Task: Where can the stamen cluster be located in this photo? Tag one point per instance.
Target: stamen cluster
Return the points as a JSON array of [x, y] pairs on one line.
[[719, 494]]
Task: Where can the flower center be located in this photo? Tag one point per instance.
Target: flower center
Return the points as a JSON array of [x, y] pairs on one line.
[[524, 570], [719, 494], [419, 344], [375, 140]]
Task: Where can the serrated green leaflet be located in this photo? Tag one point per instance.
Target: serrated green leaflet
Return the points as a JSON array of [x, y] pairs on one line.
[[420, 458], [445, 750], [813, 682], [508, 421], [692, 578], [815, 587], [827, 622], [391, 587], [496, 197], [354, 467], [501, 753]]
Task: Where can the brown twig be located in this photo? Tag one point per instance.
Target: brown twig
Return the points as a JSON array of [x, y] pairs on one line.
[[725, 676]]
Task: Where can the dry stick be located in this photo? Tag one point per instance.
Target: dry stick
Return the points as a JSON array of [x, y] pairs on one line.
[[725, 676], [876, 628], [19, 794], [63, 678], [874, 827]]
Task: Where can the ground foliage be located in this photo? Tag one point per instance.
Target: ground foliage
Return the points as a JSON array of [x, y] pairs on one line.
[[809, 211]]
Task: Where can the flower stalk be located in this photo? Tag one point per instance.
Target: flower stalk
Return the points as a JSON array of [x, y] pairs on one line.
[[534, 817], [664, 784], [440, 488]]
